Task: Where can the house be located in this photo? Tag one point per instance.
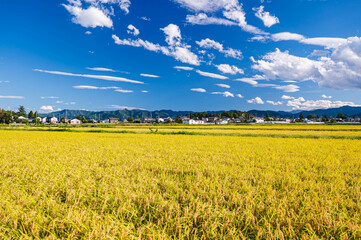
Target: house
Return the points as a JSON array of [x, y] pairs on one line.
[[212, 119], [147, 120], [43, 120], [52, 120], [222, 122], [192, 121], [160, 120], [258, 120], [124, 120], [75, 121], [113, 120]]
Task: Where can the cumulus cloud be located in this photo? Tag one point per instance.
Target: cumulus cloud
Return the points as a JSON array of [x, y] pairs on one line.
[[133, 30], [274, 103], [90, 17], [175, 48], [88, 32], [149, 75], [47, 108], [256, 100], [211, 75], [198, 90], [266, 17], [239, 95], [302, 104], [225, 94], [204, 19], [341, 70], [226, 68], [228, 52], [223, 85], [100, 77], [325, 96]]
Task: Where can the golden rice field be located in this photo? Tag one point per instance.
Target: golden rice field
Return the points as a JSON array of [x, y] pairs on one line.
[[119, 185]]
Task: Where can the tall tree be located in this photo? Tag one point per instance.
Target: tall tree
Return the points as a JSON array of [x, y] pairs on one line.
[[31, 114], [301, 116], [36, 114], [22, 111]]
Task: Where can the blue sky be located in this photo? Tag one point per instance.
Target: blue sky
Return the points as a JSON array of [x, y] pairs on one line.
[[179, 54]]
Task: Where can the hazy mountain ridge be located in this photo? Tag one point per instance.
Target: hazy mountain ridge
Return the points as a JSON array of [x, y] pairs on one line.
[[350, 111]]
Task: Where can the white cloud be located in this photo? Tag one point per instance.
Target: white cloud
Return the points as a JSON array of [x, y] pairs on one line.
[[266, 17], [302, 104], [228, 52], [184, 68], [223, 85], [124, 5], [225, 94], [106, 78], [341, 70], [287, 88], [173, 35], [251, 80], [256, 100], [90, 17], [88, 32], [203, 19], [211, 75], [198, 90], [145, 19], [123, 107], [286, 36], [11, 97], [94, 87], [226, 68], [47, 108], [206, 5], [144, 91], [179, 52], [51, 97], [101, 69], [325, 42], [149, 75], [274, 103], [325, 96], [239, 95], [58, 102], [133, 30], [124, 91]]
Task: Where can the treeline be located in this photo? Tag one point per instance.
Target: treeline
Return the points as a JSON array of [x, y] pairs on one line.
[[8, 116], [225, 114]]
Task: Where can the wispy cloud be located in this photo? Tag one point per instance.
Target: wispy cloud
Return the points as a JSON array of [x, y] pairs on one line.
[[223, 85], [100, 77], [149, 75], [51, 97], [184, 68], [11, 97], [198, 90], [122, 107], [211, 75], [124, 91], [225, 94], [101, 69]]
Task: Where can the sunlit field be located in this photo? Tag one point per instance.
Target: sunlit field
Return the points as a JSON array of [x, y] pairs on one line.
[[165, 182]]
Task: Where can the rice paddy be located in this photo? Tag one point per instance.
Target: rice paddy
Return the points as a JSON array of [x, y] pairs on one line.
[[225, 182]]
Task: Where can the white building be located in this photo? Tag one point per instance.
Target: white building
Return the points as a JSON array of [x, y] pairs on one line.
[[43, 120], [222, 122], [192, 121], [75, 121], [52, 120], [258, 120]]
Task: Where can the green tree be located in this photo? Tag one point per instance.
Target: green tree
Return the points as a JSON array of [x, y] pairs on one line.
[[31, 114], [178, 119], [267, 117], [78, 117], [301, 116], [36, 114], [130, 119], [22, 111], [83, 120]]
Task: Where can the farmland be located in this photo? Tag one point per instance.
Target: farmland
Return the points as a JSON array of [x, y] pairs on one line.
[[188, 182]]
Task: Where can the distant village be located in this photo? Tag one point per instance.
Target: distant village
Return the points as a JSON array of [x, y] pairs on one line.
[[204, 118]]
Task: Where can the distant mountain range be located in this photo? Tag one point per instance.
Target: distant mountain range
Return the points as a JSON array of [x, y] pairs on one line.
[[122, 114]]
